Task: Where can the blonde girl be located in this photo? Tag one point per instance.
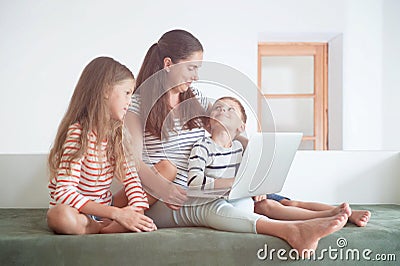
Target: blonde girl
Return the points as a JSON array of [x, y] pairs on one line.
[[88, 153]]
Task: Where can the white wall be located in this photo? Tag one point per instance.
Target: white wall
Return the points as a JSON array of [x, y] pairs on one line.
[[45, 44], [366, 177], [362, 69], [390, 74], [344, 176]]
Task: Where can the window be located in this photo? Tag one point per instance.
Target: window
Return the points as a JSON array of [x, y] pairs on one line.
[[293, 78]]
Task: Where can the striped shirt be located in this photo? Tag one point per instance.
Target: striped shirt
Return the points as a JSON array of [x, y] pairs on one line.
[[176, 148], [90, 178], [209, 161]]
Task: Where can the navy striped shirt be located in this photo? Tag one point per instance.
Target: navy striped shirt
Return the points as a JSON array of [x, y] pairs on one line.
[[209, 161]]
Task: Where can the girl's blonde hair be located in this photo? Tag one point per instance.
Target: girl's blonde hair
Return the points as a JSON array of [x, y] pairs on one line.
[[88, 108]]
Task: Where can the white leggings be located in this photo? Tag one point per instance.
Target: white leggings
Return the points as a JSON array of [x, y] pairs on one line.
[[220, 214]]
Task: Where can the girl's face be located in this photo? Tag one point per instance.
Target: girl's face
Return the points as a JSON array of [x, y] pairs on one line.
[[120, 98], [227, 113], [184, 72]]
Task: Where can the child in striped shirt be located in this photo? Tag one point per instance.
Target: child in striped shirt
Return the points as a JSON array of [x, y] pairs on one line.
[[88, 153], [214, 160], [213, 163]]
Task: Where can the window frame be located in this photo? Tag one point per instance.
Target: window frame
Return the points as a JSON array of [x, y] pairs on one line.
[[319, 51]]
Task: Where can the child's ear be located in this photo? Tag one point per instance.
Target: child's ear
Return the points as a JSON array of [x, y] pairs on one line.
[[242, 128], [167, 63]]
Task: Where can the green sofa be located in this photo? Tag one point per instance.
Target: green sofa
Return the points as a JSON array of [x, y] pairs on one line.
[[26, 240]]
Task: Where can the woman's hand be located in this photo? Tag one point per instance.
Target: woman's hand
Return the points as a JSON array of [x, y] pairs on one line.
[[174, 196], [160, 188]]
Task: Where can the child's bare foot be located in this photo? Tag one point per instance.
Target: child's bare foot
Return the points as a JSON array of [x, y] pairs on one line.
[[105, 221], [360, 217], [342, 208], [306, 234], [113, 227]]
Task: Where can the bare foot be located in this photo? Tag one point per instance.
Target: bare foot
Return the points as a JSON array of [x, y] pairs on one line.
[[342, 208], [113, 227], [360, 217], [306, 234]]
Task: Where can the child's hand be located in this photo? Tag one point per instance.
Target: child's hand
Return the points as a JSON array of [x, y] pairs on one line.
[[259, 198], [131, 218]]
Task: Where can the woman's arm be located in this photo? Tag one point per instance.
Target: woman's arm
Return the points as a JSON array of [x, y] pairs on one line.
[[153, 183]]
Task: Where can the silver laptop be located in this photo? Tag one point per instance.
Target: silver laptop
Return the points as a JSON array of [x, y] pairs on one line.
[[264, 167]]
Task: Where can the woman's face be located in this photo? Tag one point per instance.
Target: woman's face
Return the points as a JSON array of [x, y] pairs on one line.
[[184, 72]]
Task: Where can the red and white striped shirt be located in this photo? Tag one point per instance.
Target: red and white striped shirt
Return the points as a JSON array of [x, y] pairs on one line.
[[90, 178]]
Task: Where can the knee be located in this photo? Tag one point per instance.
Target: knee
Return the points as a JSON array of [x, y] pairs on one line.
[[62, 219], [166, 169]]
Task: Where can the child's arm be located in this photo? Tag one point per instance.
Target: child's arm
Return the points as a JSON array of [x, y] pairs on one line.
[[133, 189], [66, 183], [137, 201], [198, 161]]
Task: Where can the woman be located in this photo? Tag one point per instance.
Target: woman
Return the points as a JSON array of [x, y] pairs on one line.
[[164, 120], [165, 115]]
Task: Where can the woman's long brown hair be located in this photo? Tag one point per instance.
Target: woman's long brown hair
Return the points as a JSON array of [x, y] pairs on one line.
[[151, 85], [88, 107]]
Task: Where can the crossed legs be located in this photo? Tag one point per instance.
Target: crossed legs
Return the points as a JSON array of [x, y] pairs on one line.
[[64, 219]]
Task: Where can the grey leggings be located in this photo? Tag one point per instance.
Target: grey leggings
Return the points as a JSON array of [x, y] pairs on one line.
[[220, 214]]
